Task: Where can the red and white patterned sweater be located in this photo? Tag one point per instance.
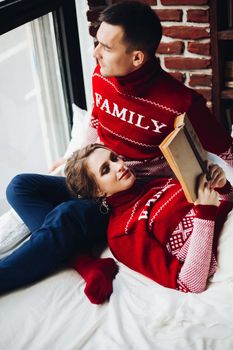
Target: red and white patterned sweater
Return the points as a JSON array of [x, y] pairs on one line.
[[156, 232], [133, 114]]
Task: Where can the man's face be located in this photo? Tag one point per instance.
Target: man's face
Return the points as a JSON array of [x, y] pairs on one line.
[[111, 52]]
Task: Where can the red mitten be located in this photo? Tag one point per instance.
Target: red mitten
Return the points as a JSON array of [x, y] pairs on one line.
[[98, 274]]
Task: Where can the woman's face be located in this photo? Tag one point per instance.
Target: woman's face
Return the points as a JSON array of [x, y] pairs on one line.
[[110, 172]]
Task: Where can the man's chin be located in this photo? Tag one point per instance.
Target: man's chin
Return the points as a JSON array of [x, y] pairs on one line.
[[104, 72]]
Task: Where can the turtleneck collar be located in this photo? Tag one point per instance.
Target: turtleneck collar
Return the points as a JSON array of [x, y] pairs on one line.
[[136, 82], [124, 198]]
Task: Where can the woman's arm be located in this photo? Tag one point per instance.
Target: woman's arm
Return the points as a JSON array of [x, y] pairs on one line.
[[194, 273], [146, 255], [195, 270]]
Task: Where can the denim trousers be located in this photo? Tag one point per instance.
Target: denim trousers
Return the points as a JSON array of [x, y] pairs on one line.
[[61, 226]]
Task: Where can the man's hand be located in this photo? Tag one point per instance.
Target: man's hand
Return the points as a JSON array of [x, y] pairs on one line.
[[206, 195], [56, 164], [217, 176]]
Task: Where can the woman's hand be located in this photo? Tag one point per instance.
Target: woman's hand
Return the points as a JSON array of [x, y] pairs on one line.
[[206, 195], [217, 176], [56, 164]]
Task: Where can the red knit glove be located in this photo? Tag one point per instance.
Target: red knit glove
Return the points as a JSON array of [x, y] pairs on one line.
[[98, 274]]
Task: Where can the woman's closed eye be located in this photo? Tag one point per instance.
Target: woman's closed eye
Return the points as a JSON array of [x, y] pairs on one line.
[[105, 169], [114, 157]]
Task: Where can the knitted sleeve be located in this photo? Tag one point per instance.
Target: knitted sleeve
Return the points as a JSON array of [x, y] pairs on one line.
[[195, 270], [94, 115], [94, 118], [228, 155], [226, 192], [90, 137], [218, 140], [91, 133]]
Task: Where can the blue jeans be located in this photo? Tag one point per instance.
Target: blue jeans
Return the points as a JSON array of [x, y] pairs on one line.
[[61, 226]]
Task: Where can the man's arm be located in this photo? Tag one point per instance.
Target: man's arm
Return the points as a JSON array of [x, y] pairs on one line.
[[213, 136], [91, 136]]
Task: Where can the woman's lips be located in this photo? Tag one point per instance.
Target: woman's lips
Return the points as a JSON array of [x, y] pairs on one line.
[[126, 173]]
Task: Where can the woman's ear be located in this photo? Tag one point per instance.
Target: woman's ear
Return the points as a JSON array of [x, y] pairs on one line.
[[100, 193]]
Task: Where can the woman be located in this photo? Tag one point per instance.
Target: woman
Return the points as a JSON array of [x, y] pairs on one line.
[[152, 227]]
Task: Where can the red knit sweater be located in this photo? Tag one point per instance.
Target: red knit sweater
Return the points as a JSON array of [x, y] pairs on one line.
[[134, 113], [155, 231]]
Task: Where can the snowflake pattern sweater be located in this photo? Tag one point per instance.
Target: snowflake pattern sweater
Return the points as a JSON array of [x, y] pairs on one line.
[[155, 231], [133, 114]]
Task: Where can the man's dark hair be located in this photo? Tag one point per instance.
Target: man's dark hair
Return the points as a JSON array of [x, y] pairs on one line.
[[140, 23]]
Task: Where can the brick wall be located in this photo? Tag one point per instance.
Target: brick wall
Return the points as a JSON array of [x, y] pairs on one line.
[[185, 47]]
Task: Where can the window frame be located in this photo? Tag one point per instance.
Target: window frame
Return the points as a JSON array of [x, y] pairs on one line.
[[14, 13]]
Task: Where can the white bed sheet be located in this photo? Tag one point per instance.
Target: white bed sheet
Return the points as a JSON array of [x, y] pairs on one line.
[[55, 314]]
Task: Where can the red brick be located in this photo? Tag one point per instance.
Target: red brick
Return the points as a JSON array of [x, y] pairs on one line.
[[199, 48], [184, 2], [199, 16], [186, 32], [178, 75], [206, 93], [170, 15], [173, 47], [200, 80], [186, 63]]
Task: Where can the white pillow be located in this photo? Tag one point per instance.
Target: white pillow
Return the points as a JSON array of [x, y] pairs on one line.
[[81, 120], [225, 246], [225, 257]]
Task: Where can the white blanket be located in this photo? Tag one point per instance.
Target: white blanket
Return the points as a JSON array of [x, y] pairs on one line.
[[55, 314]]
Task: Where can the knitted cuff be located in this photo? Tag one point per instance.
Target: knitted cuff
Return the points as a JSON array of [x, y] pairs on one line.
[[206, 212], [225, 189], [228, 155]]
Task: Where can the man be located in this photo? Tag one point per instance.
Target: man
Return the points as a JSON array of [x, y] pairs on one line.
[[135, 103]]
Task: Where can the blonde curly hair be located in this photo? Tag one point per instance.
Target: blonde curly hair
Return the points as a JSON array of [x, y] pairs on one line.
[[80, 181]]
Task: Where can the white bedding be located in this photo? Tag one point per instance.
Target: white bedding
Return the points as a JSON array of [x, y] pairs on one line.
[[55, 314]]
